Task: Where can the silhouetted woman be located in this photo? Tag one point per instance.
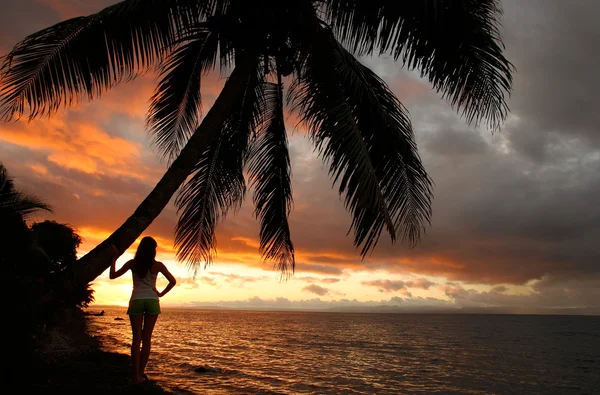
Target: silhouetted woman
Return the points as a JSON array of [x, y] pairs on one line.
[[144, 306]]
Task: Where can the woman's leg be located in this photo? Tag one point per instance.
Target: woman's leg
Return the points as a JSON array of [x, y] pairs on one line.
[[149, 322], [136, 340]]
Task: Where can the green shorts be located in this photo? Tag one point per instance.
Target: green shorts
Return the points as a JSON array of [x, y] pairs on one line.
[[144, 307]]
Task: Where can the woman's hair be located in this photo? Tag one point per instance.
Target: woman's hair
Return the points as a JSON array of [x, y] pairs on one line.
[[144, 256]]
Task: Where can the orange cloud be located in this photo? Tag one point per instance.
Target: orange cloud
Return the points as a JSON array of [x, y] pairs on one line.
[[247, 241], [79, 145]]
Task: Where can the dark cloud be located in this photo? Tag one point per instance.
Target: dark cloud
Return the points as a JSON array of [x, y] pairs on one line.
[[386, 285], [237, 280], [454, 142], [554, 44], [398, 285], [13, 29], [316, 289], [318, 269], [499, 289], [327, 280], [422, 283], [547, 293]]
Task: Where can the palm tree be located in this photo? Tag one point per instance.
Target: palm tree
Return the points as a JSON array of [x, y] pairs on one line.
[[33, 259], [359, 127], [15, 208]]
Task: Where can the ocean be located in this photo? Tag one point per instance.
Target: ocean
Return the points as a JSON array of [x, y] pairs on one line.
[[264, 352]]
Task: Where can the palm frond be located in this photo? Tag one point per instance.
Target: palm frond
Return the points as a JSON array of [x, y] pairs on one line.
[[26, 204], [216, 7], [7, 184], [456, 44], [363, 132], [269, 172], [217, 184], [84, 56], [225, 20], [176, 104]]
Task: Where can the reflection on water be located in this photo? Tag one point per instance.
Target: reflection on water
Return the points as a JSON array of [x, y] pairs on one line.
[[246, 352]]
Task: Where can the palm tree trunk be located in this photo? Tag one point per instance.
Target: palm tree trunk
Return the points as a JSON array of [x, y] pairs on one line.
[[98, 260]]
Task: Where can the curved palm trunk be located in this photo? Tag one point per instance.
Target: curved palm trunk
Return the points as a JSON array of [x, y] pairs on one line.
[[98, 260]]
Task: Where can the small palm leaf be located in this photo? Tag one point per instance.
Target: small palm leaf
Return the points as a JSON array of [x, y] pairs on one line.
[[13, 200], [25, 204], [86, 55], [175, 106], [455, 44], [362, 130], [269, 171]]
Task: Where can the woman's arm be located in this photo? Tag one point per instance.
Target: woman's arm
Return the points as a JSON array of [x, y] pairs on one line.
[[163, 269], [112, 274], [116, 274]]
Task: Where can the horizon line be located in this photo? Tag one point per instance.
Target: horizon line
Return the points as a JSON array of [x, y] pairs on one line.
[[574, 311]]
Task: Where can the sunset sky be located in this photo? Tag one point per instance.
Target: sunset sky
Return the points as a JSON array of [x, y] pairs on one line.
[[516, 219]]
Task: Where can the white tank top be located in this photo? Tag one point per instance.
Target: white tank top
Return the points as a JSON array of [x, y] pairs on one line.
[[143, 287]]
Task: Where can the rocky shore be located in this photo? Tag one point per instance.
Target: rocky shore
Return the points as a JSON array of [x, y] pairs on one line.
[[69, 361]]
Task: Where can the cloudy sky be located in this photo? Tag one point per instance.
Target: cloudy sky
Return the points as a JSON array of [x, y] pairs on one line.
[[516, 219]]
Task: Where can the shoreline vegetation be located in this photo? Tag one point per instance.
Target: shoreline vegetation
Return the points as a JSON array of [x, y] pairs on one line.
[[71, 361]]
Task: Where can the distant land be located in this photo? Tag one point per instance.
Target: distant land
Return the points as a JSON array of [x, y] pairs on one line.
[[383, 309], [467, 310]]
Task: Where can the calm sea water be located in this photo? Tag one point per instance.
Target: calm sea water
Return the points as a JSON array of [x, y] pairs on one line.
[[248, 352]]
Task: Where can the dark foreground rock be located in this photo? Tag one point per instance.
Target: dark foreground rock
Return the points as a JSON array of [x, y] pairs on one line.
[[92, 372], [69, 361]]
